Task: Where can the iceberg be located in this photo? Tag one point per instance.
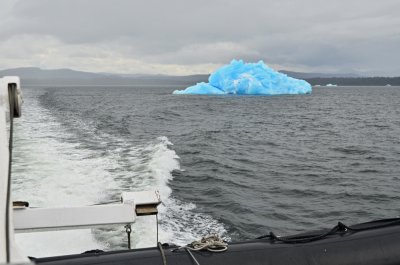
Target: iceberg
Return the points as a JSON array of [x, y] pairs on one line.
[[242, 78]]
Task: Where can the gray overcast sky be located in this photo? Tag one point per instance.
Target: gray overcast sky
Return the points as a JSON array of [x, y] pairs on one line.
[[186, 37]]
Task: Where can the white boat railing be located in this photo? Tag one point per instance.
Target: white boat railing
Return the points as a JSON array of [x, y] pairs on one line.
[[28, 219], [10, 107], [19, 217]]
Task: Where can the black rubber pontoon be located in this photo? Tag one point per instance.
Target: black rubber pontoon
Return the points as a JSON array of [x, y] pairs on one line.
[[375, 242]]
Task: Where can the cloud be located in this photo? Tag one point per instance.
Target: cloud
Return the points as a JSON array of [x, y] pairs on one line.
[[187, 36], [50, 53]]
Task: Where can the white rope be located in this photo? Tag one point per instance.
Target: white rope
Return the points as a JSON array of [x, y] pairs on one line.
[[212, 243]]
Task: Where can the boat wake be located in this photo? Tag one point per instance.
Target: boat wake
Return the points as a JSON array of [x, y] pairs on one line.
[[53, 166]]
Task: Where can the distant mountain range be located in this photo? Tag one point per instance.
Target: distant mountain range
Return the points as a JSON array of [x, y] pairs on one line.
[[301, 75], [37, 73], [37, 76]]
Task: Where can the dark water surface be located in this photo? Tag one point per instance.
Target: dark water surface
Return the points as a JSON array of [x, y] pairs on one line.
[[252, 164]]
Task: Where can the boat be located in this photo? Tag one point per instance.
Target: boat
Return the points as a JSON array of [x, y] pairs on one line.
[[375, 242]]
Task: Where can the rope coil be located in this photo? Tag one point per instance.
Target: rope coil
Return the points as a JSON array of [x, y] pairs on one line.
[[212, 243]]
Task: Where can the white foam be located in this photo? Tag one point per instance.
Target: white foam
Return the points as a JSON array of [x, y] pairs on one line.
[[50, 172], [53, 169], [179, 224]]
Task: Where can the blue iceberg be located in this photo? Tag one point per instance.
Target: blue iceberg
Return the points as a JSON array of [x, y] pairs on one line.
[[242, 78]]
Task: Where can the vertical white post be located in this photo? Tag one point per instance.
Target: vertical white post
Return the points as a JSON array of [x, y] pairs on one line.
[[8, 250]]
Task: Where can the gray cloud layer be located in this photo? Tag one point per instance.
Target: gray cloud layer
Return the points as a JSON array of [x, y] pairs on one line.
[[183, 37]]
